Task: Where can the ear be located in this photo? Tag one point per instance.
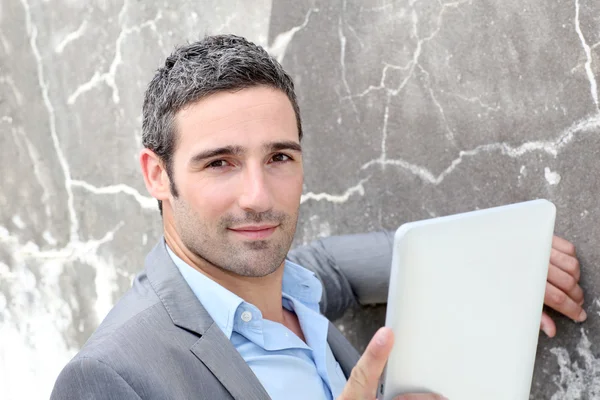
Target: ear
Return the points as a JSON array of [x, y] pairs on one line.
[[155, 175]]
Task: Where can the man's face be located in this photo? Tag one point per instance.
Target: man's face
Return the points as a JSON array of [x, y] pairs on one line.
[[238, 173]]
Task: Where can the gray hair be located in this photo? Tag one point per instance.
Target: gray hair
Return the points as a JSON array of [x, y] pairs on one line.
[[197, 70]]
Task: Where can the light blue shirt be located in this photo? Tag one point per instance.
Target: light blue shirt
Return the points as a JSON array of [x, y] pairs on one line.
[[286, 366]]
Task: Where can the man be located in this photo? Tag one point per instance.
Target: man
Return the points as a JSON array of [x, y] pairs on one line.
[[218, 313]]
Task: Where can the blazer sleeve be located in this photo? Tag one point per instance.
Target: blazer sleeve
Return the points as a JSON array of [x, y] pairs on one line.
[[90, 379], [354, 269]]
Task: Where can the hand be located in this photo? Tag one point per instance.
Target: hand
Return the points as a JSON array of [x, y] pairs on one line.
[[364, 379], [563, 292]]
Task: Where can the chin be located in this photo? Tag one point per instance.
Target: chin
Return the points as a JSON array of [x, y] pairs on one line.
[[255, 271]]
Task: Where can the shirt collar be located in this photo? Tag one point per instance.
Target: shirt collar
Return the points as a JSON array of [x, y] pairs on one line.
[[302, 285], [221, 304]]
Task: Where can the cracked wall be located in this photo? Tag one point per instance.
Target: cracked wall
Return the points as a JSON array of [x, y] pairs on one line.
[[411, 110]]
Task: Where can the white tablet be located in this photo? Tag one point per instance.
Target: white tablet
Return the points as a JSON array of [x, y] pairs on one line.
[[465, 302]]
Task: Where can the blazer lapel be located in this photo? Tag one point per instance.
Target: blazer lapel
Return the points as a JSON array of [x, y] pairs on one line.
[[213, 348], [343, 351], [226, 363]]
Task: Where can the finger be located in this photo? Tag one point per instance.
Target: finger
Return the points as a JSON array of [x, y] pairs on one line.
[[563, 245], [364, 377], [565, 282], [566, 262], [561, 302], [547, 325]]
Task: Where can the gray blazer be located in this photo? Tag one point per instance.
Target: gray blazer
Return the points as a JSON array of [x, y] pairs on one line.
[[158, 342]]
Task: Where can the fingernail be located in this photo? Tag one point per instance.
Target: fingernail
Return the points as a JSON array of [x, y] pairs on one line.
[[382, 337], [544, 328], [582, 316]]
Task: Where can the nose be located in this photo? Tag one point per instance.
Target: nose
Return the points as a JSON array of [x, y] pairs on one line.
[[255, 192]]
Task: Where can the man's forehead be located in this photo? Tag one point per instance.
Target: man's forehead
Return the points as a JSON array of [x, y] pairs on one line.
[[250, 118]]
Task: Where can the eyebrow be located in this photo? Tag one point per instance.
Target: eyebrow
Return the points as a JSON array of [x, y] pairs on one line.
[[221, 151], [285, 145], [239, 150]]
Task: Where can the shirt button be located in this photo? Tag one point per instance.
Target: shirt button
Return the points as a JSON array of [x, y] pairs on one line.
[[246, 316]]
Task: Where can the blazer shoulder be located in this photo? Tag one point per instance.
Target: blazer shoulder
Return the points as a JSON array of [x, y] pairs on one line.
[[112, 363], [137, 314], [85, 377]]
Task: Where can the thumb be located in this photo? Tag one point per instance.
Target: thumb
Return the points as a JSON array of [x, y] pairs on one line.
[[364, 378]]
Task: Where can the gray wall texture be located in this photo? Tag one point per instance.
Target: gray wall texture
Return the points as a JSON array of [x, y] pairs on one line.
[[412, 109]]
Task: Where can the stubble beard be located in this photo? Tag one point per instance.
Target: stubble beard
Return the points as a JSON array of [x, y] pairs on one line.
[[216, 246]]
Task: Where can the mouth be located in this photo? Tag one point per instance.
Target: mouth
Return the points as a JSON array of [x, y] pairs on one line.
[[254, 232]]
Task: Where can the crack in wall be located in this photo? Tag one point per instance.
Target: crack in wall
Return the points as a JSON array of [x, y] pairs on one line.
[[109, 76], [449, 133], [72, 36], [341, 198], [416, 55], [146, 202], [32, 33], [588, 55], [551, 147], [342, 38], [279, 46]]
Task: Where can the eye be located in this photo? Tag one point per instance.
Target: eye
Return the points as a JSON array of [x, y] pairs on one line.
[[217, 164], [280, 157]]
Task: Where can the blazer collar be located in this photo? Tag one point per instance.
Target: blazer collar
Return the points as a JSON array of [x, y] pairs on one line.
[[180, 302], [343, 351]]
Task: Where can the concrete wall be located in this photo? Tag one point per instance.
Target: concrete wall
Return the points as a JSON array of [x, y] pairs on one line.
[[412, 109]]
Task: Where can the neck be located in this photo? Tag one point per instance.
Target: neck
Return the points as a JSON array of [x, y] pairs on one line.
[[262, 292]]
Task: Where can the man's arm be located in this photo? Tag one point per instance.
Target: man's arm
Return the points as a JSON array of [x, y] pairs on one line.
[[352, 268], [87, 378]]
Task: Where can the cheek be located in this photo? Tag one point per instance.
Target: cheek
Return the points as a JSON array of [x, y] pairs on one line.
[[287, 192], [210, 199]]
